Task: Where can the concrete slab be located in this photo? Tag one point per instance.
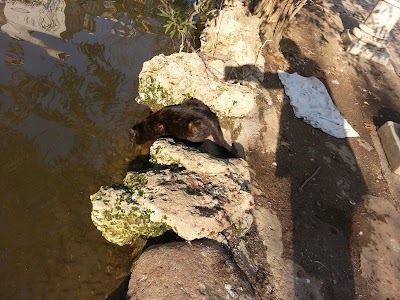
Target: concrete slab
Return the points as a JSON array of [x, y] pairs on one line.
[[389, 135], [392, 179], [356, 47]]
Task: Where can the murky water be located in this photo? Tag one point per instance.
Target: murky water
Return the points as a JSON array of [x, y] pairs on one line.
[[68, 78]]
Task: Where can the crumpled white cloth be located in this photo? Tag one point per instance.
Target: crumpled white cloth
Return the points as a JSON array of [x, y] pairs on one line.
[[311, 101]]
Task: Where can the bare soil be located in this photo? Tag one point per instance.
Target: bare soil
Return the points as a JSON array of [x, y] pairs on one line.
[[329, 225]]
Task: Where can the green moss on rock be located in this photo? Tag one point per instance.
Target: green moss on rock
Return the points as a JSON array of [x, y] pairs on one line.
[[118, 217], [135, 182], [152, 94]]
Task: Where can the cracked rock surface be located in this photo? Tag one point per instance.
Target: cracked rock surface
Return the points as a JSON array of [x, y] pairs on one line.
[[208, 196]]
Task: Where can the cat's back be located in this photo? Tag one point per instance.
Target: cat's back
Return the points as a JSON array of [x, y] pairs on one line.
[[190, 109], [193, 102], [176, 118], [197, 106]]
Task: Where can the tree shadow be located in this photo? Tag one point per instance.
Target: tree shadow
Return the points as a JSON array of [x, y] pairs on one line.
[[386, 114], [348, 20], [321, 211]]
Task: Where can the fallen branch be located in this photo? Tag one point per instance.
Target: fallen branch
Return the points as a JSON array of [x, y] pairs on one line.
[[309, 178]]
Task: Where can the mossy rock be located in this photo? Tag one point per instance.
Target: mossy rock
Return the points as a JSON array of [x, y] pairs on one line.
[[116, 214], [153, 94]]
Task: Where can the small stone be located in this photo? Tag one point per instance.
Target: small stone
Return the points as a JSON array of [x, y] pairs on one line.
[[335, 81]]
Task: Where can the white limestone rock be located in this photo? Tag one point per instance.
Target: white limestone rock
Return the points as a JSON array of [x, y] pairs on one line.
[[167, 80], [209, 196], [168, 152], [195, 206], [234, 33]]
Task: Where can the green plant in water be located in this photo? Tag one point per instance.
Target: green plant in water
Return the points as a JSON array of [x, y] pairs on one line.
[[178, 23]]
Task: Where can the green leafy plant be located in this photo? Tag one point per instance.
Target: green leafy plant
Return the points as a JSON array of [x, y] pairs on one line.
[[178, 23]]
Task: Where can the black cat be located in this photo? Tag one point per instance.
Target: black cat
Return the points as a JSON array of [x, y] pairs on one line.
[[192, 120]]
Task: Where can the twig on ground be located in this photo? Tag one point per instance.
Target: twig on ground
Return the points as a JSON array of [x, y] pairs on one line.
[[309, 178], [317, 261], [259, 50]]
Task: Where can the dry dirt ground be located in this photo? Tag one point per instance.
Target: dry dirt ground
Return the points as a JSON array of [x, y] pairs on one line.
[[339, 236]]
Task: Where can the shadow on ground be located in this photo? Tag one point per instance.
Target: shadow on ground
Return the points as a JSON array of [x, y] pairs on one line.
[[322, 211], [317, 220]]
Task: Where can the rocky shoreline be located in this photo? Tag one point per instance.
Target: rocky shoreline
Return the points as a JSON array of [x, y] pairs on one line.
[[197, 195]]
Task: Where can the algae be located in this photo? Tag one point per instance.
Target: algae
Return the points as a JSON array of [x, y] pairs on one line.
[[153, 94], [157, 158], [135, 182], [116, 213]]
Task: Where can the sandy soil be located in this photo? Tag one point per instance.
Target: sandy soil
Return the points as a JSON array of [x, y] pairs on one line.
[[336, 237]]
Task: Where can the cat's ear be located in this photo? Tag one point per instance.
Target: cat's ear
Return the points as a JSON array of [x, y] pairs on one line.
[[160, 129]]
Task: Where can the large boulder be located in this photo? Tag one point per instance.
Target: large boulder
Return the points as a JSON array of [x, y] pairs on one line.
[[168, 152], [180, 271], [167, 80], [208, 196], [233, 33]]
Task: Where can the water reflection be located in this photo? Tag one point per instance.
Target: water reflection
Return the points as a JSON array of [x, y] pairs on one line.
[[68, 77]]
